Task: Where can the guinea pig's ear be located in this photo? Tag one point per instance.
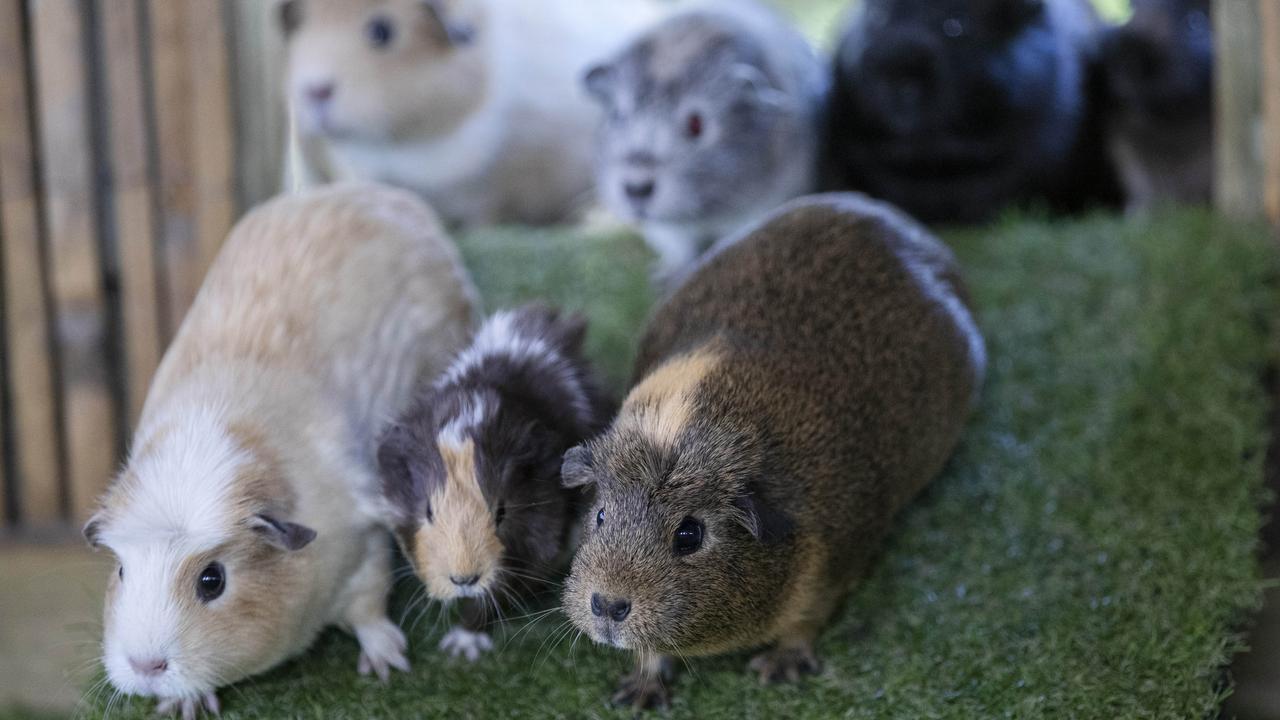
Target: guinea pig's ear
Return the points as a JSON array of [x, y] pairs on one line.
[[452, 32], [765, 522], [282, 534], [289, 15], [93, 530], [599, 81], [576, 469], [747, 81]]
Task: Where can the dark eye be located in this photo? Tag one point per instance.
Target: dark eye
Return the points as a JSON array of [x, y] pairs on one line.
[[688, 537], [381, 32], [502, 512], [120, 572], [211, 583], [693, 125], [953, 27], [600, 517]]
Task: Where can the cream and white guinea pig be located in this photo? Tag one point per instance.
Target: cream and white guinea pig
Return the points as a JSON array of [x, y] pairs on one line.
[[474, 104], [248, 515]]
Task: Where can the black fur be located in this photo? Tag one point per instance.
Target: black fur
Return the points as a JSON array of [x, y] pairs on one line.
[[955, 109], [539, 406]]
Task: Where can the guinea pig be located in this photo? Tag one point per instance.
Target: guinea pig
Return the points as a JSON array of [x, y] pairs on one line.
[[474, 104], [791, 396], [711, 122], [1159, 81], [472, 469], [248, 516], [955, 109]]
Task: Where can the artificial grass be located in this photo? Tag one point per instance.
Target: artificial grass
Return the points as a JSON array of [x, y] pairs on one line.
[[1088, 553]]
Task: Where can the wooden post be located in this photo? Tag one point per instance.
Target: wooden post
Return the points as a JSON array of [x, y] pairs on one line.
[[261, 119], [1237, 90], [30, 359], [1270, 27], [69, 184], [171, 80], [134, 195], [213, 135]]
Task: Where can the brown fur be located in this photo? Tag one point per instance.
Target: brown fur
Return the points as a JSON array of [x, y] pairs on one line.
[[462, 540], [840, 388]]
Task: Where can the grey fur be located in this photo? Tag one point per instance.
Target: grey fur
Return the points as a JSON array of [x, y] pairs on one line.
[[757, 86]]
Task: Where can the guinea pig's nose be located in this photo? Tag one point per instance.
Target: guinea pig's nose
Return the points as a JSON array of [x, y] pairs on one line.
[[617, 609], [320, 92], [464, 580], [639, 190], [149, 667]]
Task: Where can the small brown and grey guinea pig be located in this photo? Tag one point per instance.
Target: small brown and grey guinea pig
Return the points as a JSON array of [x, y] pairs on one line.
[[1159, 82], [248, 516], [473, 104], [472, 469], [799, 389], [711, 122]]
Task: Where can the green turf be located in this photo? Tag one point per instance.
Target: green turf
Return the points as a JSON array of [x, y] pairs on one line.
[[1087, 554]]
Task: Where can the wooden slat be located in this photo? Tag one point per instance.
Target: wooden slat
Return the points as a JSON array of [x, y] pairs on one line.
[[261, 120], [1238, 177], [171, 83], [1270, 26], [213, 133], [30, 360], [80, 313], [134, 195]]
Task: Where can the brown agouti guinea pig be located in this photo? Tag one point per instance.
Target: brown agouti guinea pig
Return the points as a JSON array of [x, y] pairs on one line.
[[799, 389]]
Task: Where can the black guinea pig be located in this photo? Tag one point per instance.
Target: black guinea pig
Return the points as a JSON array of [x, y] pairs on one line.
[[955, 109], [1158, 69]]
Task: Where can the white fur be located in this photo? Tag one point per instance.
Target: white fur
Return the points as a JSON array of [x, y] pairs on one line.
[[454, 434], [523, 154], [498, 337], [460, 642], [316, 320]]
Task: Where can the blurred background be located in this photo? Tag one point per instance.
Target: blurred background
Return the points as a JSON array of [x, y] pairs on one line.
[[134, 132]]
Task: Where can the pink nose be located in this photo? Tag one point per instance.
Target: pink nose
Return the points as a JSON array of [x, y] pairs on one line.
[[320, 92], [149, 667]]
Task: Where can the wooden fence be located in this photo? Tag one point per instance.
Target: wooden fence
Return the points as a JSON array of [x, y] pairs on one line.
[[132, 132]]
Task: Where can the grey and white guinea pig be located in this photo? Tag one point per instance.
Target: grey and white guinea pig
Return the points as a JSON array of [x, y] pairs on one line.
[[711, 121], [472, 468]]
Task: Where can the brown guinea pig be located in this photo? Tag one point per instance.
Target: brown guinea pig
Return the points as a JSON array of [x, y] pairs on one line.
[[472, 469], [799, 389]]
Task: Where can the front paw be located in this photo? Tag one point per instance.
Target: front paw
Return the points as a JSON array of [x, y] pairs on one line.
[[785, 664], [462, 643], [191, 707], [382, 648], [642, 691]]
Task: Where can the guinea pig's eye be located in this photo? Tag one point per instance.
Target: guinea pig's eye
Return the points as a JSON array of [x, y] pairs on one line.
[[120, 573], [381, 32], [600, 517], [693, 125], [211, 583], [501, 513], [688, 537], [953, 27]]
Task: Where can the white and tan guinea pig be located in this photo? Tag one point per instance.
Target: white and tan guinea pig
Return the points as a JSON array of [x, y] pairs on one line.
[[247, 517], [474, 104]]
